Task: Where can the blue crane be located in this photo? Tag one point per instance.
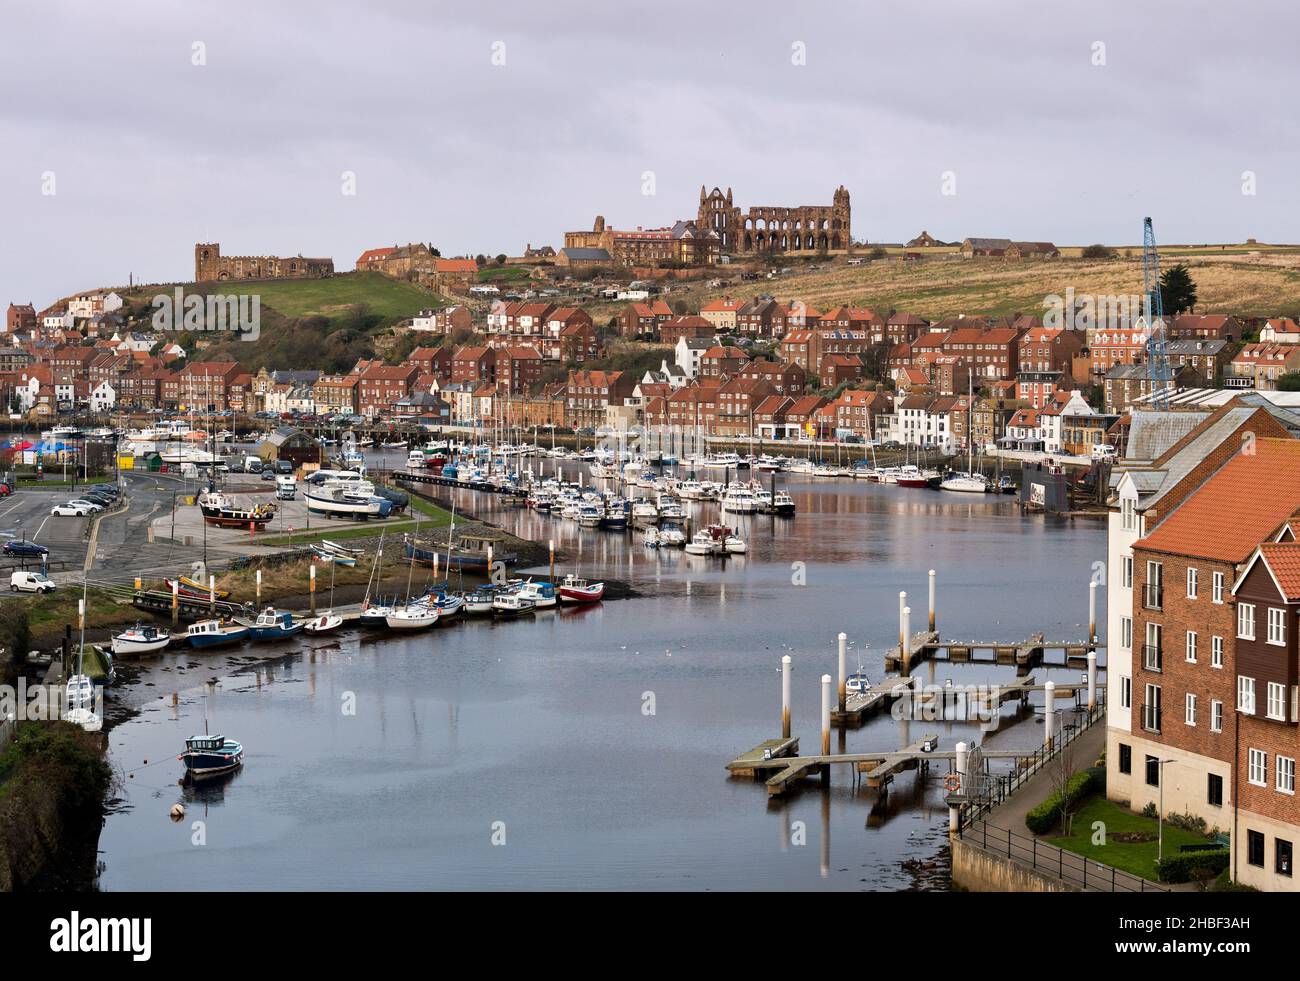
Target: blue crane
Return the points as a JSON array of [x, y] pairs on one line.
[[1158, 370]]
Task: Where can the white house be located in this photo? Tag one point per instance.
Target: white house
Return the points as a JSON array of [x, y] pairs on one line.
[[102, 398], [58, 320], [688, 353]]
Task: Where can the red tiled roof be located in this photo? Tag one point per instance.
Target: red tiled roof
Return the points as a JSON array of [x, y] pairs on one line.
[[1241, 505], [1283, 560], [455, 265]]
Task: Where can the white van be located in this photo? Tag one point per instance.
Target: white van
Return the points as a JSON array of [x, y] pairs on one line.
[[31, 582], [1103, 451]]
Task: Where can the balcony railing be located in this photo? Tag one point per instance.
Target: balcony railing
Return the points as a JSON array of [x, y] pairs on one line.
[[1153, 657], [1153, 596], [1151, 717]]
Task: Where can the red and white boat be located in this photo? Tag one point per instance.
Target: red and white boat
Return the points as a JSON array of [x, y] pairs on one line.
[[577, 590]]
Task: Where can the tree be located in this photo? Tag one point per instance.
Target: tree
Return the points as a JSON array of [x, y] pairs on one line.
[[1061, 771], [501, 259], [1177, 291], [1098, 252], [1290, 382]]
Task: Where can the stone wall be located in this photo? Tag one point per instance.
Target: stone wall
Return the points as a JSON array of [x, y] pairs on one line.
[[977, 870]]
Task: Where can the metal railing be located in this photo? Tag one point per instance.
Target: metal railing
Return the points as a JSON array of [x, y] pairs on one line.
[[1153, 657], [1002, 786], [1151, 717], [1068, 867]]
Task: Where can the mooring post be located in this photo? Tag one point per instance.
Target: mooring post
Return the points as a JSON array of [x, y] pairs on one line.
[[1092, 612], [954, 812], [902, 629], [551, 543], [176, 609], [1049, 712], [212, 594], [906, 651], [1092, 680], [491, 570], [843, 690], [931, 601], [826, 726], [312, 588], [259, 589], [785, 696]]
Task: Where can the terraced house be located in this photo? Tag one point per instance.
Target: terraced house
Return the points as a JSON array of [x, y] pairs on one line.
[[1201, 659]]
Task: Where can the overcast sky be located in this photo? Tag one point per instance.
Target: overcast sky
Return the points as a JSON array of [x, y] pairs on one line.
[[151, 153]]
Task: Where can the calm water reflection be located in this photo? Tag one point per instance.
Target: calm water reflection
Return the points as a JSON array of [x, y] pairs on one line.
[[538, 728]]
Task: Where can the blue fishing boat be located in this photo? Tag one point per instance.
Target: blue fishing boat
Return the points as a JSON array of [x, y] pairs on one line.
[[207, 756], [273, 624], [215, 633]]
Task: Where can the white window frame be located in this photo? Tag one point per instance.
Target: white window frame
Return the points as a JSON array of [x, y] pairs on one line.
[[1216, 652], [1189, 709], [1128, 513], [1257, 767], [1126, 633], [1246, 621], [1245, 694], [1191, 646], [1125, 691], [1216, 588], [1126, 572], [1216, 715], [1284, 768], [1276, 626], [1192, 583], [1276, 701], [1152, 709]]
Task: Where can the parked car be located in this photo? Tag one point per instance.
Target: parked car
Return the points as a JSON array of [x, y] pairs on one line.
[[268, 474], [31, 582], [89, 503], [20, 546], [284, 466], [70, 510]]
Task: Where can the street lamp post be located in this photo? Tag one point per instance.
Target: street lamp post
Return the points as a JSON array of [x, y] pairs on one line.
[[1160, 816]]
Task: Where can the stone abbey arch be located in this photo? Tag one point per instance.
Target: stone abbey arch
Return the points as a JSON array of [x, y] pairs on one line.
[[807, 228]]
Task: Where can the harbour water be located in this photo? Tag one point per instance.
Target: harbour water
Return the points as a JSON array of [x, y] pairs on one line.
[[584, 749]]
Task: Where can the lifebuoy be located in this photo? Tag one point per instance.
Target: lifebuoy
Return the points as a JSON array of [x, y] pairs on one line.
[[952, 783]]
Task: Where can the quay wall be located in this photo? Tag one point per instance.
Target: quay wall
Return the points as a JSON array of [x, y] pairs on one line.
[[977, 870]]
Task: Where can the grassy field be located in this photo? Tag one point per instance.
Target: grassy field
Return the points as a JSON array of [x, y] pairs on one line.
[[390, 299], [1138, 857], [51, 611], [1263, 282]]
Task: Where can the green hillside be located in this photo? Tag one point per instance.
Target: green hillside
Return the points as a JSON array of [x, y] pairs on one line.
[[386, 299]]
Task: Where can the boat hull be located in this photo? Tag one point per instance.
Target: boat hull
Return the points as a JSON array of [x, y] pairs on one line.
[[123, 646], [201, 641], [592, 594]]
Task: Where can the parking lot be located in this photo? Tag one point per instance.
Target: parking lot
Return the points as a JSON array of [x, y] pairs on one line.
[[26, 514]]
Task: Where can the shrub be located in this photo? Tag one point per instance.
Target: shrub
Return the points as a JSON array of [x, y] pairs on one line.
[[1150, 810], [1189, 821], [1046, 816], [1192, 865], [1098, 252]]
